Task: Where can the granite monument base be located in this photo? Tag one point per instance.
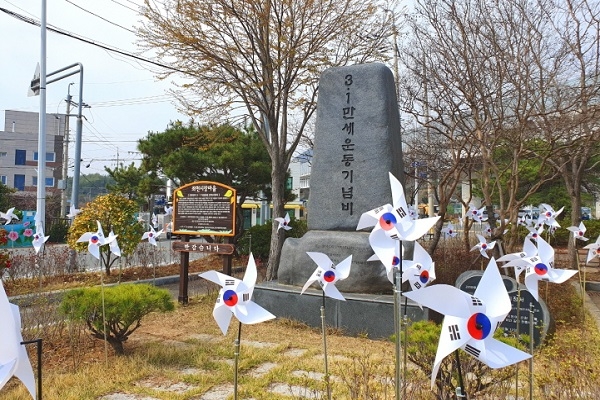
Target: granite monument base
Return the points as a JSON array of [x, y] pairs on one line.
[[360, 314], [296, 267]]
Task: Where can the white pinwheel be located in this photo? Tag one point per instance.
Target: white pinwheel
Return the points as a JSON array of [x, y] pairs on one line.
[[412, 212], [535, 233], [449, 231], [476, 214], [420, 271], [487, 230], [395, 219], [386, 250], [541, 268], [168, 210], [73, 212], [14, 360], [284, 222], [328, 274], [529, 250], [95, 240], [9, 215], [235, 298], [152, 235], [593, 250], [154, 220], [38, 238], [114, 245], [483, 246], [470, 320], [578, 232], [548, 215]]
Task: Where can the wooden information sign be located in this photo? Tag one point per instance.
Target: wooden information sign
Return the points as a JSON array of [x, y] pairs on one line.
[[204, 208]]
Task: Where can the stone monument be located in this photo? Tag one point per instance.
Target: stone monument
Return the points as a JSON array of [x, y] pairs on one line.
[[357, 142]]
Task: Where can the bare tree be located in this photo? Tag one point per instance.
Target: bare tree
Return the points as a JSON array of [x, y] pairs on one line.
[[479, 72], [264, 57]]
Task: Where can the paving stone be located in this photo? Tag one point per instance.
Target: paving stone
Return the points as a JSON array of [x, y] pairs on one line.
[[295, 352], [168, 386], [293, 390], [204, 337], [262, 369], [217, 393], [260, 345], [126, 396]]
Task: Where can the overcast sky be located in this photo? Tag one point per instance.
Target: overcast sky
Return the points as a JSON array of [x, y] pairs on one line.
[[126, 100]]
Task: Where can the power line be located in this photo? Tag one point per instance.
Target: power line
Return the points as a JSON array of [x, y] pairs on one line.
[[98, 16], [54, 29]]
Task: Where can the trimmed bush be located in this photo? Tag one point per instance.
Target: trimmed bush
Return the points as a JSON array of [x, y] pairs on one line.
[[124, 307], [258, 238]]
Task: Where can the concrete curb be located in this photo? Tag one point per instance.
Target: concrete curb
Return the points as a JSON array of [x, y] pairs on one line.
[[589, 304]]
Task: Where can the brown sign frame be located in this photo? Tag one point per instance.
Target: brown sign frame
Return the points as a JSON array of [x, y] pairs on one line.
[[206, 194]]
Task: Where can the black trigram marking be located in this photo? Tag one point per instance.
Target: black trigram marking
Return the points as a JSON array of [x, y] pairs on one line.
[[246, 297], [395, 237], [218, 299], [476, 301], [472, 351], [417, 285], [401, 212], [229, 282], [454, 332]]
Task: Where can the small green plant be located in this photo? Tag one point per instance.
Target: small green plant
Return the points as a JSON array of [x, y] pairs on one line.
[[58, 232], [258, 238], [124, 308]]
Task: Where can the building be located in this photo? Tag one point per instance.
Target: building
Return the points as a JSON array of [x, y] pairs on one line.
[[19, 150]]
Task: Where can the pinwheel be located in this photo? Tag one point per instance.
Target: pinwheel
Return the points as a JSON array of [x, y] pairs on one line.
[[73, 212], [114, 245], [529, 250], [328, 275], [14, 360], [470, 320], [38, 238], [9, 215], [593, 250], [168, 210], [152, 235], [284, 222], [449, 231], [523, 221], [386, 251], [154, 220], [412, 212], [476, 214], [578, 232], [420, 271], [395, 220], [95, 240], [535, 233], [540, 268], [487, 231], [483, 246], [548, 215], [235, 298]]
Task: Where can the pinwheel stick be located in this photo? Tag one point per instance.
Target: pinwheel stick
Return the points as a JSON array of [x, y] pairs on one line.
[[103, 311], [397, 322], [324, 330], [460, 390], [531, 351], [38, 343], [236, 357]]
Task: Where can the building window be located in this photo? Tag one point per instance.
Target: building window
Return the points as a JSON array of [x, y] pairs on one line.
[[3, 154], [20, 157], [19, 182], [50, 157], [3, 179], [49, 181]]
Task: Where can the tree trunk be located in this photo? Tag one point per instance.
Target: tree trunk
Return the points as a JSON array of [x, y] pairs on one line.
[[277, 238]]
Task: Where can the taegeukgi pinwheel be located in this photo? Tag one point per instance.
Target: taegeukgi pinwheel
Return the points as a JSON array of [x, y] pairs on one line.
[[578, 232], [95, 240], [449, 231], [14, 360], [328, 274], [541, 268], [470, 320], [284, 222], [114, 245], [476, 214], [9, 215], [152, 235], [593, 250], [483, 246], [548, 215], [38, 238], [420, 271], [535, 233], [529, 250], [73, 212], [235, 298], [395, 219]]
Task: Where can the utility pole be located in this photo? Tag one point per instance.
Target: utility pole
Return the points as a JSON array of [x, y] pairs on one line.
[[65, 166]]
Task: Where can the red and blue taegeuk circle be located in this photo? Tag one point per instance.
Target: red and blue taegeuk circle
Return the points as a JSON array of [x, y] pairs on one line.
[[329, 276], [424, 276], [479, 326], [541, 269], [230, 298], [94, 239], [395, 261], [387, 221]]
